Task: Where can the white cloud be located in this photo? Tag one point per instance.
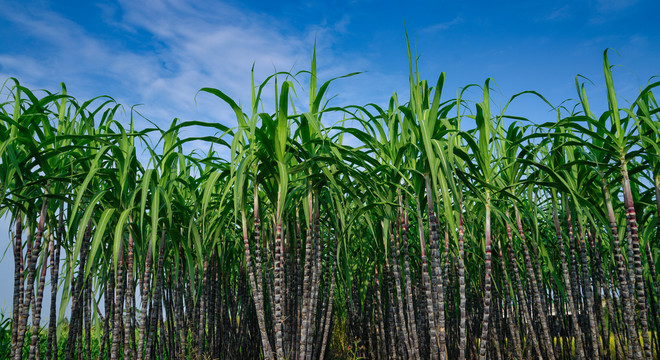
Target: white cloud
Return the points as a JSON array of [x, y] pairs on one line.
[[341, 26], [444, 25], [560, 13], [30, 67], [614, 5], [191, 44]]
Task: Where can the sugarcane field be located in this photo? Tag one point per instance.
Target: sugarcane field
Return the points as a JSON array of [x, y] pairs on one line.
[[434, 227], [329, 180]]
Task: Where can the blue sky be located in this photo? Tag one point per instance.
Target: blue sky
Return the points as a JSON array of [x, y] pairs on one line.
[[159, 53]]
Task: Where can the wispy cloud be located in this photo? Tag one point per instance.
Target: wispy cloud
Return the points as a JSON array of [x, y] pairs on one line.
[[341, 26], [614, 5], [560, 13], [191, 45], [29, 66], [608, 11], [443, 25]]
